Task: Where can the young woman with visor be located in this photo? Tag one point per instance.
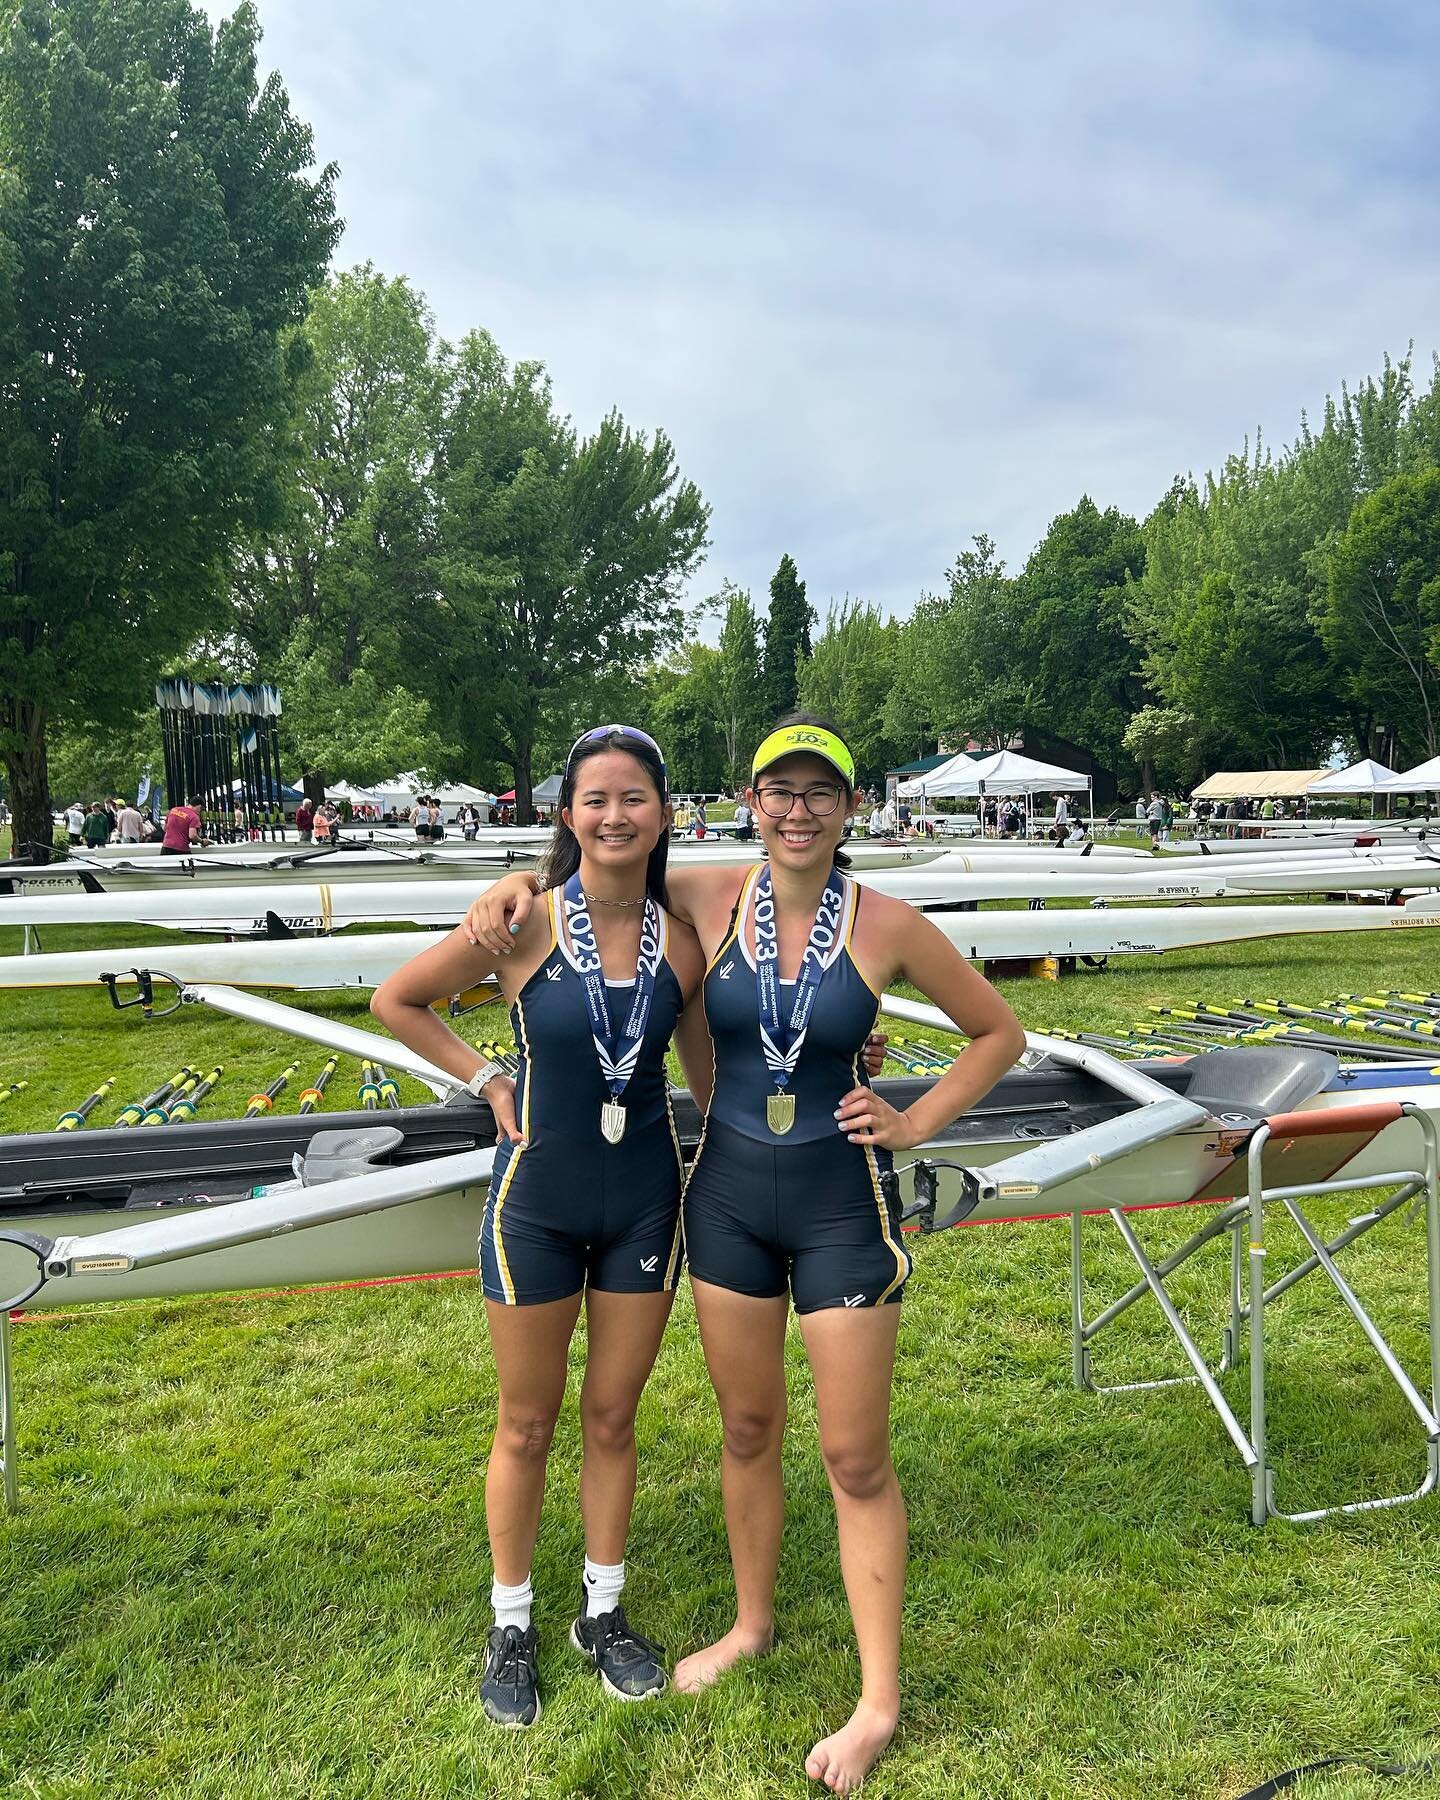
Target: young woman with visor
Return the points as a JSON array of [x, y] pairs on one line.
[[786, 1199]]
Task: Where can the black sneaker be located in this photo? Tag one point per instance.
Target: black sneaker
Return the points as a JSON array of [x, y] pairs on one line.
[[510, 1692], [631, 1667]]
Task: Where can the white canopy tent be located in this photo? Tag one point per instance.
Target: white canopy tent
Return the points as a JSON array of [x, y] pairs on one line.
[[1363, 777], [1422, 779], [1366, 778], [1002, 772], [402, 789], [342, 790]]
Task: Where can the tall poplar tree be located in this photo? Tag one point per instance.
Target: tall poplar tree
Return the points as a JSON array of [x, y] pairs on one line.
[[787, 636], [160, 225], [738, 695]]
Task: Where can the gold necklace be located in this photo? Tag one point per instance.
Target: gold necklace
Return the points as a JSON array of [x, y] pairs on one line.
[[600, 900]]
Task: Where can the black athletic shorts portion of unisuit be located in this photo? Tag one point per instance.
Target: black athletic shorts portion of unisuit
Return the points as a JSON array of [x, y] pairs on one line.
[[761, 1217]]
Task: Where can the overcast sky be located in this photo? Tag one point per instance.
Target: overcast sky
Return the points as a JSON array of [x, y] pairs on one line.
[[894, 272]]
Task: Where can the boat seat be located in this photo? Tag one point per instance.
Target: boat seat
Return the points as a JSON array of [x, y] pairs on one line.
[[1244, 1081], [337, 1155]]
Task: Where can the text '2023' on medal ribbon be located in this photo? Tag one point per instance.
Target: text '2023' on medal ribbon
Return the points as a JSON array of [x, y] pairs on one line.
[[618, 1053], [782, 1044]]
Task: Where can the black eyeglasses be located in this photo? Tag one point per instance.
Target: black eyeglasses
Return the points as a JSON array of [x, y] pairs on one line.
[[820, 800]]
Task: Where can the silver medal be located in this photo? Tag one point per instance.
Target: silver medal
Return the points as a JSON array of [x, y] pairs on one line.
[[612, 1121]]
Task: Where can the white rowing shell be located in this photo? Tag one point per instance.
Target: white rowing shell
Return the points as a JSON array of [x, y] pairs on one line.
[[364, 960]]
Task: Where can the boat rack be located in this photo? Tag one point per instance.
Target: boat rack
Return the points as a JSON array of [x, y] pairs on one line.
[[1250, 1294]]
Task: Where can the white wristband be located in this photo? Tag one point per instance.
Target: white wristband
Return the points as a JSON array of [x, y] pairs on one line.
[[482, 1078]]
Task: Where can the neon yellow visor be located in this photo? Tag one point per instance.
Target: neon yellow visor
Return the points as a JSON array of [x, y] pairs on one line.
[[804, 740]]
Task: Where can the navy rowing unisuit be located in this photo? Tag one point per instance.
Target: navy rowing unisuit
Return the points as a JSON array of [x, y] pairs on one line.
[[805, 1210], [567, 1209]]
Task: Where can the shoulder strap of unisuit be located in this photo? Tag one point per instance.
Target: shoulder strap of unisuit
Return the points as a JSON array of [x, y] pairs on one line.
[[737, 916]]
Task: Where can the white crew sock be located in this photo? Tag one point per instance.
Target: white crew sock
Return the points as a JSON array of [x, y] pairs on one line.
[[602, 1584], [512, 1604]]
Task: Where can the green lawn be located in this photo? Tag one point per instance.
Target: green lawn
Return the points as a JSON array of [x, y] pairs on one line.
[[250, 1556]]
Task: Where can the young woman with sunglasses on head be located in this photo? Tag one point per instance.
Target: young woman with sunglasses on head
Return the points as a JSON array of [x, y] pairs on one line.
[[584, 1201], [786, 1197]]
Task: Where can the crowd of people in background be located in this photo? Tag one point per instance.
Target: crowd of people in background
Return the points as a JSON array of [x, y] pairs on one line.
[[116, 821]]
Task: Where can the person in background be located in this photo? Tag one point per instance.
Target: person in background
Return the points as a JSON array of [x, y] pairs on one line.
[[322, 823], [305, 821], [701, 822], [182, 829], [1167, 818], [96, 828], [1062, 817], [1154, 816], [74, 821], [745, 822], [129, 823]]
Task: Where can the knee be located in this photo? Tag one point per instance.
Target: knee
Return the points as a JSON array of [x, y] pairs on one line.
[[525, 1433], [859, 1471], [751, 1433], [607, 1425]]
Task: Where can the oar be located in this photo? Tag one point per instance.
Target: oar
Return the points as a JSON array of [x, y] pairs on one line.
[[910, 1062], [160, 1115], [1429, 1000], [15, 1087], [1341, 1020], [264, 1102], [369, 1088], [915, 1055], [72, 1121], [136, 1110], [183, 1110], [1427, 1026], [315, 1096], [389, 1089]]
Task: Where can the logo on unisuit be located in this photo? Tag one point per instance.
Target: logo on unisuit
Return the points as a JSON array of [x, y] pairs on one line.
[[649, 1264], [553, 972], [725, 969]]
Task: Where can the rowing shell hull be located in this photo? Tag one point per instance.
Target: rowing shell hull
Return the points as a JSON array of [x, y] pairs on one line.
[[358, 960], [1202, 1165], [321, 906]]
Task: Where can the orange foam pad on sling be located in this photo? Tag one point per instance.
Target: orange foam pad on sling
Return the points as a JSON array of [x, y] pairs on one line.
[[1333, 1121]]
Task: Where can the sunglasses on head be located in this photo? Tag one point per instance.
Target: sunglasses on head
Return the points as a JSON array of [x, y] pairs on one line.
[[605, 731]]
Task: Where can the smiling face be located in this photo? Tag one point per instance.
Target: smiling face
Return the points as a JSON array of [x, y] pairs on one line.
[[807, 835], [615, 812]]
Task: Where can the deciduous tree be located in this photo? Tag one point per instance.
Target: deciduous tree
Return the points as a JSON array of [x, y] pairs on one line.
[[1382, 612], [558, 559], [160, 225]]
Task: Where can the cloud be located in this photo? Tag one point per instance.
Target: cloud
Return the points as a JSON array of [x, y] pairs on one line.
[[892, 275]]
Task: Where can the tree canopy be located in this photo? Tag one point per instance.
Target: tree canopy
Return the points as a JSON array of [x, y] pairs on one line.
[[160, 227]]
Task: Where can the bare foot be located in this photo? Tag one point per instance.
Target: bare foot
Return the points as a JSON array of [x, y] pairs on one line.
[[843, 1760], [709, 1664]]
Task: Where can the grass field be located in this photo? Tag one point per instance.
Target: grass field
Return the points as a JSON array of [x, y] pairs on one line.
[[250, 1556]]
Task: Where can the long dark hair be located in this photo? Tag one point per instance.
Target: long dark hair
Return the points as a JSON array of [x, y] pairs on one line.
[[820, 723], [562, 856]]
